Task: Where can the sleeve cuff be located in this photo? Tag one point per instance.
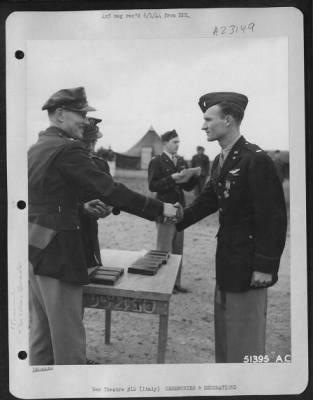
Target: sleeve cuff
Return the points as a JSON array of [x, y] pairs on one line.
[[267, 265]]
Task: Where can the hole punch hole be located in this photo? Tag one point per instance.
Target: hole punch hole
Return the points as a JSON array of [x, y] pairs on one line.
[[21, 204], [22, 355], [19, 54]]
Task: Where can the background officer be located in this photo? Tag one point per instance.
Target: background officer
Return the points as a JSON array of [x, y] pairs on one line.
[[164, 178], [89, 222], [201, 160], [59, 168], [246, 190]]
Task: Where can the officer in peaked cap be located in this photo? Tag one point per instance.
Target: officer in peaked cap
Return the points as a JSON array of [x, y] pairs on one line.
[[59, 169], [246, 191], [74, 99]]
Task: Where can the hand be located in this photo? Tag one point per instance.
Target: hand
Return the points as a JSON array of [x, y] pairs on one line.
[[177, 218], [97, 208], [260, 279], [169, 210], [106, 212], [180, 212]]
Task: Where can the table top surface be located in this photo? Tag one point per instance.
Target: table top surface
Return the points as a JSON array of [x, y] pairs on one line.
[[155, 287]]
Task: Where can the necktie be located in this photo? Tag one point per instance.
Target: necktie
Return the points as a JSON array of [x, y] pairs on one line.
[[174, 159], [221, 159]]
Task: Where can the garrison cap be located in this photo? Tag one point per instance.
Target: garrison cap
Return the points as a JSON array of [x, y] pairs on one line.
[[167, 136], [211, 99], [91, 131], [74, 99]]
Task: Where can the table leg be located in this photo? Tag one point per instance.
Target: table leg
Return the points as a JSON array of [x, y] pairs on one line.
[[107, 334], [163, 327]]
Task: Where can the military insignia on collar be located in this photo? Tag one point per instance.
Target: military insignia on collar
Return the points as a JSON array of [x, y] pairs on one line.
[[235, 172]]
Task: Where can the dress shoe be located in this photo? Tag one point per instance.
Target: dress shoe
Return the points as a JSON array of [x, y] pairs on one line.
[[180, 289]]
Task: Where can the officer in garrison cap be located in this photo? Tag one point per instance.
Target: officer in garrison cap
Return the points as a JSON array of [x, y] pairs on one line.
[[246, 191], [59, 169], [163, 176]]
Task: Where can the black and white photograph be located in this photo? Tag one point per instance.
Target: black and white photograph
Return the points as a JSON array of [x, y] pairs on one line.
[[162, 247]]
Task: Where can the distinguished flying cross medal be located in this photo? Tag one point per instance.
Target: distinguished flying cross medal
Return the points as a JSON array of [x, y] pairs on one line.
[[234, 172], [227, 189]]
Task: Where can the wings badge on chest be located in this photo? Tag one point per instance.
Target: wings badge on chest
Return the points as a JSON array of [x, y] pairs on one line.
[[228, 182]]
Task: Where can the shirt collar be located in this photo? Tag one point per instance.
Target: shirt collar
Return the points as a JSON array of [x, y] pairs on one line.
[[228, 148], [170, 156]]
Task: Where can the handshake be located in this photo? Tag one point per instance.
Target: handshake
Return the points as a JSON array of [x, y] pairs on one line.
[[172, 213]]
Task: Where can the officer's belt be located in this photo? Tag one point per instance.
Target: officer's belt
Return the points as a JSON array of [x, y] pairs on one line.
[[235, 219], [52, 208]]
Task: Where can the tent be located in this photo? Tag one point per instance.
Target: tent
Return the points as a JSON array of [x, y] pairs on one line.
[[150, 140], [139, 155]]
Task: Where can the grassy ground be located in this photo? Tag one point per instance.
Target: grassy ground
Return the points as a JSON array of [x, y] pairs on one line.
[[191, 327]]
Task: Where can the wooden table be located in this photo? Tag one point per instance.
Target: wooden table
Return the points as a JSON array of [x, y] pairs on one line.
[[135, 293]]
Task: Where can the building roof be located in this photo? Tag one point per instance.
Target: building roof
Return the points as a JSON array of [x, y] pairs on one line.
[[150, 139]]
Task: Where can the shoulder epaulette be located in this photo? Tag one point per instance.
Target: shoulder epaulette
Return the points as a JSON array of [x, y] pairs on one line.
[[254, 148]]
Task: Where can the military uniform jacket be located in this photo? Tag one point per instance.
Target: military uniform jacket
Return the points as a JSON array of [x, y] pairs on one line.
[[59, 168], [252, 213], [89, 223], [203, 162], [160, 181]]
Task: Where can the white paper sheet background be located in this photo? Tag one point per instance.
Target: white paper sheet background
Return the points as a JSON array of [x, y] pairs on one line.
[[24, 117]]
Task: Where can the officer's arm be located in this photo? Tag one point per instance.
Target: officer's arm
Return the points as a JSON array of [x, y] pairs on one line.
[[77, 168], [205, 204], [270, 214], [157, 182]]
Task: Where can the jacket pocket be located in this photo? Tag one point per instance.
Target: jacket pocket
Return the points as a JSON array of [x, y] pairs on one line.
[[67, 222]]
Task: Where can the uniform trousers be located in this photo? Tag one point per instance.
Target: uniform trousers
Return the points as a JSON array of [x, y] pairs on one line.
[[168, 239], [240, 324], [57, 333]]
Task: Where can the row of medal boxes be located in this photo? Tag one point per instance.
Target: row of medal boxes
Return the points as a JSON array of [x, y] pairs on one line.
[[149, 264]]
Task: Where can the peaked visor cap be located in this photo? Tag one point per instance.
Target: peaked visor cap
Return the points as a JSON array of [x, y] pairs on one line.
[[74, 99]]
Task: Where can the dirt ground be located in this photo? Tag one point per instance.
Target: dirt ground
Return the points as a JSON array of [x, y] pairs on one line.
[[191, 322]]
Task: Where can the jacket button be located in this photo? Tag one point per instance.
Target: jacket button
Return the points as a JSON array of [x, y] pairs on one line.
[[250, 237], [221, 210], [78, 227], [219, 184], [219, 197]]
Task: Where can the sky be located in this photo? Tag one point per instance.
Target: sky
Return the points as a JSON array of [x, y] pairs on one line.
[[135, 84]]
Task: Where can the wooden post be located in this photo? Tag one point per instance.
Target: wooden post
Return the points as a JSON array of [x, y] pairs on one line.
[[163, 327], [107, 334]]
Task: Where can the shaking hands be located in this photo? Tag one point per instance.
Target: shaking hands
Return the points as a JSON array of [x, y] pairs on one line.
[[173, 213]]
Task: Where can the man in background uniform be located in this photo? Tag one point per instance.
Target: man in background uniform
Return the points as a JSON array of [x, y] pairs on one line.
[[59, 169], [89, 222], [164, 179], [201, 160], [245, 189]]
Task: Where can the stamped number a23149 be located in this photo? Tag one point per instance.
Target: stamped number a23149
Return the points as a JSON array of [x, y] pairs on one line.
[[233, 29]]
